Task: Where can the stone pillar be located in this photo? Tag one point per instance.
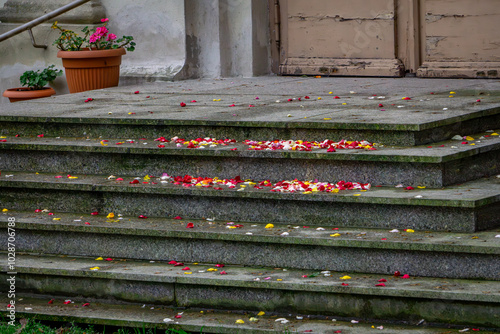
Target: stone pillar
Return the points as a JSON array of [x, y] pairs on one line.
[[226, 38]]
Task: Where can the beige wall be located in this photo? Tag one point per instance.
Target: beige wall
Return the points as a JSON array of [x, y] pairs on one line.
[[175, 39]]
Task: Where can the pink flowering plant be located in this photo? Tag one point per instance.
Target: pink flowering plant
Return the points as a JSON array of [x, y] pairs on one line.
[[94, 39]]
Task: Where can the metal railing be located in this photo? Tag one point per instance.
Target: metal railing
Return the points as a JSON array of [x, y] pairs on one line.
[[41, 19]]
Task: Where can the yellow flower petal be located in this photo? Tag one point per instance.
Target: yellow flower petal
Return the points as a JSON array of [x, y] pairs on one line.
[[469, 138], [95, 268], [269, 226], [211, 269], [327, 118], [147, 178], [409, 230], [335, 235], [5, 210], [99, 259], [56, 218], [261, 313], [421, 187], [494, 134], [239, 321], [345, 277], [110, 215], [357, 195], [187, 273]]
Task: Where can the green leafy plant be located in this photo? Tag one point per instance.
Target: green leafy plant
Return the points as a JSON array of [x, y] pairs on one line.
[[38, 79], [98, 38]]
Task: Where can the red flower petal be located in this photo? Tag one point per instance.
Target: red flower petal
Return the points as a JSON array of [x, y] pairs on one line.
[[40, 136], [178, 217], [397, 274], [143, 217], [161, 146], [95, 213], [172, 262], [194, 101], [186, 268], [190, 225], [223, 273], [304, 276], [178, 316], [345, 284], [381, 105], [136, 92], [67, 302], [234, 149], [178, 264], [409, 188], [478, 100], [183, 104], [219, 265], [134, 182], [380, 284], [382, 280], [307, 97], [86, 304], [87, 223], [108, 259], [336, 97], [51, 301], [405, 276]]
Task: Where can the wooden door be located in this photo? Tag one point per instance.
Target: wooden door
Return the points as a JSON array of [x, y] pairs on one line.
[[430, 38]]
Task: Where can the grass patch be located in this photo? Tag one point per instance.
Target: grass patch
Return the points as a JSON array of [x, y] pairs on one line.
[[31, 326]]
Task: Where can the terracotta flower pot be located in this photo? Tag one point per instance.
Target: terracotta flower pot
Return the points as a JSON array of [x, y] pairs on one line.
[[91, 69], [25, 93]]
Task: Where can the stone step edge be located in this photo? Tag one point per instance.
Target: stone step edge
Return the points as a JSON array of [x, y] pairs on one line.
[[102, 184], [398, 154], [473, 243], [320, 124], [246, 277], [196, 320]]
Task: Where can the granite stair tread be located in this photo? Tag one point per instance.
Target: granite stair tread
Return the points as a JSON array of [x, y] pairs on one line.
[[471, 194], [257, 277], [362, 250], [469, 207], [438, 152], [202, 320], [421, 119], [260, 289], [483, 242]]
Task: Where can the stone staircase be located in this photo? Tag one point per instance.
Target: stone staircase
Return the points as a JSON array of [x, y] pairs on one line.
[[225, 252]]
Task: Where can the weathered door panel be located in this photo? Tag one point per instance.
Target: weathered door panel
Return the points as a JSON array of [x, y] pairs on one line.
[[460, 38], [338, 37], [434, 38]]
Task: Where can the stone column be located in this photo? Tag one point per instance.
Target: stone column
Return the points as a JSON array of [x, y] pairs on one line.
[[227, 38]]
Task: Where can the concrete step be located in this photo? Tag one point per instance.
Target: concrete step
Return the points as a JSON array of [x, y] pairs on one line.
[[375, 251], [195, 320], [155, 111], [442, 164], [466, 302], [469, 207]]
